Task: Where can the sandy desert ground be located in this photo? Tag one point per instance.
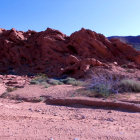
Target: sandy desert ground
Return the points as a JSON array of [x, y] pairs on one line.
[[20, 120]]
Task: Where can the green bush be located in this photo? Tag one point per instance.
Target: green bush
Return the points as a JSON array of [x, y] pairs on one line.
[[39, 79], [102, 90], [130, 85], [71, 81], [42, 79], [54, 82], [46, 86], [10, 89], [34, 82]]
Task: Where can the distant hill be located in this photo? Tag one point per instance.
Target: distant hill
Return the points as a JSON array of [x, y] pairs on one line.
[[133, 40]]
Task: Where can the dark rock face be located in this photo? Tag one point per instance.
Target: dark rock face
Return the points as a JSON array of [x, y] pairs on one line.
[[56, 54]]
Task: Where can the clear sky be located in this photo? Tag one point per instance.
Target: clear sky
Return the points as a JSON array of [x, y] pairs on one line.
[[109, 17]]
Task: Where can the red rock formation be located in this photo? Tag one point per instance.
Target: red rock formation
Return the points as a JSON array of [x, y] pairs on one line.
[[55, 54], [137, 59]]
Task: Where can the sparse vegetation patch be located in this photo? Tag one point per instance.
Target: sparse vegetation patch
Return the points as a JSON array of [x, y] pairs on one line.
[[44, 80], [130, 85], [72, 81]]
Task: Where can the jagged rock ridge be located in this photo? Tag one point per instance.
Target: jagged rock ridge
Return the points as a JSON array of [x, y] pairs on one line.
[[56, 54]]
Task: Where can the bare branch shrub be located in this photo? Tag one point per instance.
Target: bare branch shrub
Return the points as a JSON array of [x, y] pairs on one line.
[[105, 83]]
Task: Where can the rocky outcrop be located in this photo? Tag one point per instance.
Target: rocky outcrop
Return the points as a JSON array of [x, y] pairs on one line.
[[14, 81], [92, 102], [56, 54], [137, 59]]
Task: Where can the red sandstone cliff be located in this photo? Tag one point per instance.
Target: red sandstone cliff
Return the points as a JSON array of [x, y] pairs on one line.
[[55, 54]]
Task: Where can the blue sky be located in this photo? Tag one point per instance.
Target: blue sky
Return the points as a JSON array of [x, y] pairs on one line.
[[109, 17]]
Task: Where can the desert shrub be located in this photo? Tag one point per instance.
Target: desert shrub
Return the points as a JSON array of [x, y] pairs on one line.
[[46, 85], [10, 89], [54, 82], [42, 79], [101, 89], [67, 81], [130, 85], [38, 79], [104, 84], [72, 81], [34, 82]]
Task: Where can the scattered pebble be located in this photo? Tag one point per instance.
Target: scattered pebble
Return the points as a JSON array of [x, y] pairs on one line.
[[38, 110], [110, 119], [30, 109], [109, 111], [83, 117]]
